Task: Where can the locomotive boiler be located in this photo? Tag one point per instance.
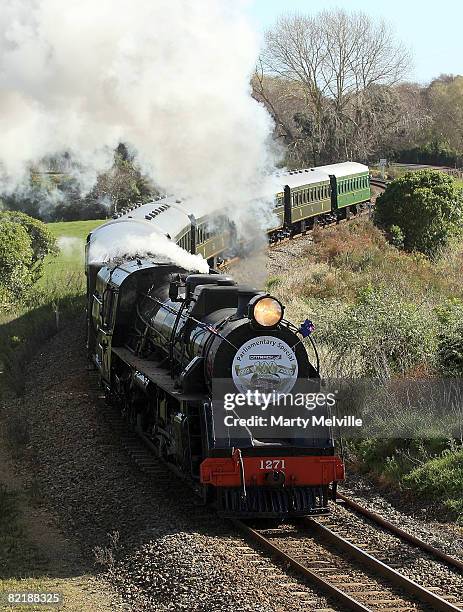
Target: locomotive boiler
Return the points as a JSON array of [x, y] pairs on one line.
[[167, 343]]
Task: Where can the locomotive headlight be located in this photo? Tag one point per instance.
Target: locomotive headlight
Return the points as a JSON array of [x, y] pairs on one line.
[[265, 311]]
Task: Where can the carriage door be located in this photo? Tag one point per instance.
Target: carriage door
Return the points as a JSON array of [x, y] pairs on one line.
[[334, 192]]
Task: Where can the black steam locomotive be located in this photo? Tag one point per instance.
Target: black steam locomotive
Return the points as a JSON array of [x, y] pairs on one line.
[[160, 337]]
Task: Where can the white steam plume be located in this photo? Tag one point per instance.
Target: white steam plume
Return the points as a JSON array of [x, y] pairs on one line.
[[121, 238], [168, 77]]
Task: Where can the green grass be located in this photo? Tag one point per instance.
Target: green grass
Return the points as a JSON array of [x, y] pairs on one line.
[[71, 238], [440, 479], [74, 229]]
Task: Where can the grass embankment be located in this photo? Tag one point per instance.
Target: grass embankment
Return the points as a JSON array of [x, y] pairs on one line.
[[57, 296], [385, 315]]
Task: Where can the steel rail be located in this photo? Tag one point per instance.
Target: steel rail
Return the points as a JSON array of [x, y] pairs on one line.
[[412, 589], [410, 586], [404, 535], [329, 589]]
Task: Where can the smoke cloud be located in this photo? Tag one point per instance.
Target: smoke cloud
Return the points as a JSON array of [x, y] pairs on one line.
[[118, 239], [168, 77]]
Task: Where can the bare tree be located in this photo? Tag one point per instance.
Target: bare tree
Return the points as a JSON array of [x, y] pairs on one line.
[[341, 62]]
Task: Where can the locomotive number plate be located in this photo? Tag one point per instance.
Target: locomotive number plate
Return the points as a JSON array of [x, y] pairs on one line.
[[272, 464]]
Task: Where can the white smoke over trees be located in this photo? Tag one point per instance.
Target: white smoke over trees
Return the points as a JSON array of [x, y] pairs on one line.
[[168, 77]]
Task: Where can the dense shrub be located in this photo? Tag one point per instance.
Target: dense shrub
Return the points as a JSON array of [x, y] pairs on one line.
[[434, 153], [15, 261], [426, 206], [24, 243], [379, 335], [42, 241]]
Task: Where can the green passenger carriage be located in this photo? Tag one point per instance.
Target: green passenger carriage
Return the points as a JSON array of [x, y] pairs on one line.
[[303, 198]]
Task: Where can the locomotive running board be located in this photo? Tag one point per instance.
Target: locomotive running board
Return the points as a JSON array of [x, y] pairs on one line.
[[158, 376]]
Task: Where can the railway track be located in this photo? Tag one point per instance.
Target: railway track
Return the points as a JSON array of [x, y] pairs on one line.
[[381, 183], [349, 575], [403, 535]]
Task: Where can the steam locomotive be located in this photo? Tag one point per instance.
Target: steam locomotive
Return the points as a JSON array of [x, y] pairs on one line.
[[161, 337]]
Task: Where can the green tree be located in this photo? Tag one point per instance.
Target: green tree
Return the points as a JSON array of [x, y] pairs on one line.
[[122, 184], [16, 257], [445, 96], [426, 206], [41, 240]]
